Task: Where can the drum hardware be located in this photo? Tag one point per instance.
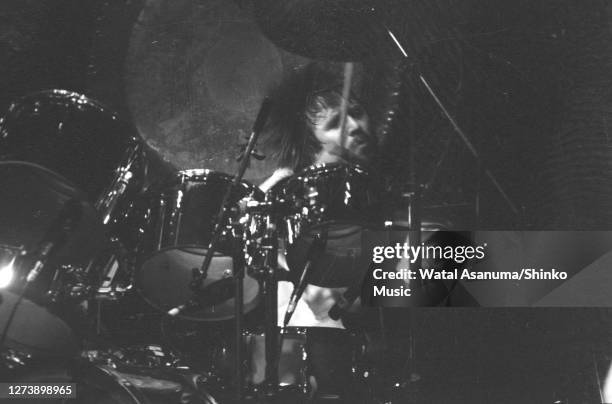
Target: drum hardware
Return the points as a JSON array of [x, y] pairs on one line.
[[110, 287], [55, 237], [107, 204], [269, 280], [69, 283], [244, 159], [12, 359]]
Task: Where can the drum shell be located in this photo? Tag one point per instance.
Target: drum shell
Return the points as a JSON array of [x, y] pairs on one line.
[[327, 194], [336, 202], [72, 135], [179, 219], [183, 213]]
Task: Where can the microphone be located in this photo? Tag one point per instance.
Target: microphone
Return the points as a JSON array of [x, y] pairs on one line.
[[298, 291], [64, 224], [317, 247]]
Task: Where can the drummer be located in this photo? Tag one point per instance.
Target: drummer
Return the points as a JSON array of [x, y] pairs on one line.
[[304, 128], [304, 125]]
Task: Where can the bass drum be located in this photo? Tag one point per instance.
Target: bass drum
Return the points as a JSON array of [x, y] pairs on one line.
[[180, 220], [41, 322]]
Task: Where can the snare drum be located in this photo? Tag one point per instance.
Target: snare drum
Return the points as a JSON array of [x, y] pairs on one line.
[[179, 223], [326, 195], [335, 202]]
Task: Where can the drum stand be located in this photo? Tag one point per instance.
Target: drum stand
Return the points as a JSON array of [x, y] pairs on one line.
[[270, 297], [239, 268]]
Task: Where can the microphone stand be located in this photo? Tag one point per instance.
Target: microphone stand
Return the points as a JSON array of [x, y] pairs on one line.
[[199, 275], [245, 157]]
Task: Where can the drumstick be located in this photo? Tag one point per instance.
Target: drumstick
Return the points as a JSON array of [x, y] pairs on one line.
[[344, 102]]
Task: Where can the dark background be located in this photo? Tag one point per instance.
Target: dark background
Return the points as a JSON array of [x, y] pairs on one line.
[[528, 80]]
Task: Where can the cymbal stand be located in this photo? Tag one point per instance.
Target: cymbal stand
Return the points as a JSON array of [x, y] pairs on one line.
[[411, 195], [462, 135]]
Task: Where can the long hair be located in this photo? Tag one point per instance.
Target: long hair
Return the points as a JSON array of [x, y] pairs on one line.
[[296, 103]]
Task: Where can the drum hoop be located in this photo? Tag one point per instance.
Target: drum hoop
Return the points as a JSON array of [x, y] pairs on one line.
[[317, 170], [60, 94], [182, 248], [202, 175], [323, 168]]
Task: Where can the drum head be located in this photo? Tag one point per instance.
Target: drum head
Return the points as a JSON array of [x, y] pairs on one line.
[[164, 280]]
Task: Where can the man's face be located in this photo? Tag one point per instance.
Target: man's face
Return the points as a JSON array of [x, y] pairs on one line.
[[355, 145]]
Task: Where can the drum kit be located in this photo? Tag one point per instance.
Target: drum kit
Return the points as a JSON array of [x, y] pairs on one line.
[[91, 214]]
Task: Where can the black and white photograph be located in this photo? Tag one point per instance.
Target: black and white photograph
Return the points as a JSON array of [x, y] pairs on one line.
[[306, 201]]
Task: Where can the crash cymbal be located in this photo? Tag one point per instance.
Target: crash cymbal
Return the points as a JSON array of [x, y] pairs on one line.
[[339, 30]]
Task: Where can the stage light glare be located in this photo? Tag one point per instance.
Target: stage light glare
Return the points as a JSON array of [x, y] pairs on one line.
[[6, 274]]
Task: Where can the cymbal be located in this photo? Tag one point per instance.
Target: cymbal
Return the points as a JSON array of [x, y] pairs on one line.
[[338, 30]]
